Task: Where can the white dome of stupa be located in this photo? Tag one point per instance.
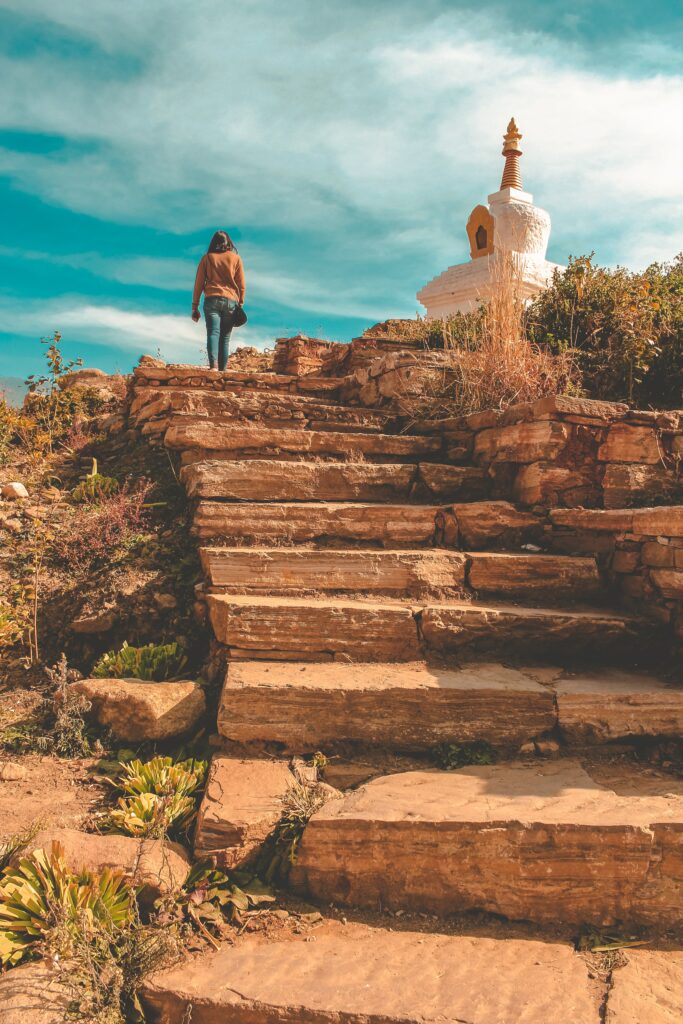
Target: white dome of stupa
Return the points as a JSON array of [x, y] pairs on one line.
[[509, 227]]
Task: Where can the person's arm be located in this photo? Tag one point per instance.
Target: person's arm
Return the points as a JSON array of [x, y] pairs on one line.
[[239, 280], [199, 284]]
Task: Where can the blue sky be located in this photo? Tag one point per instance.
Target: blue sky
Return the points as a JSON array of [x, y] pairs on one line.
[[343, 145]]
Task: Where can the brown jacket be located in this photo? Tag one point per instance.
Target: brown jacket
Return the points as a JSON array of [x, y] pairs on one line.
[[219, 273]]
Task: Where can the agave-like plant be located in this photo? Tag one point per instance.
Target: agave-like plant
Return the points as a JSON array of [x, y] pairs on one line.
[[161, 775], [160, 795], [42, 892]]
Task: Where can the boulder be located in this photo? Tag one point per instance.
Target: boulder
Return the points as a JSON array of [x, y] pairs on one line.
[[14, 491], [135, 710], [154, 865], [99, 622], [241, 806], [33, 994], [10, 771]]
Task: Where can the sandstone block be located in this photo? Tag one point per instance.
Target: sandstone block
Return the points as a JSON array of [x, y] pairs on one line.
[[669, 582], [545, 483], [543, 843], [241, 806], [365, 975], [135, 710], [626, 443], [288, 570], [625, 561], [623, 484], [611, 705], [411, 707], [381, 524], [594, 519], [234, 437], [660, 556], [266, 480], [521, 442], [496, 572], [666, 521], [482, 626], [483, 523], [357, 630], [448, 483], [155, 865]]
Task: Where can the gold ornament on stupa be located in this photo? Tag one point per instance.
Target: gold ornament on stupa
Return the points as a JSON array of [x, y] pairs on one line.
[[512, 174]]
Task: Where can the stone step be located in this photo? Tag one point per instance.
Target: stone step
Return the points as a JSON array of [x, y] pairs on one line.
[[324, 629], [478, 524], [180, 375], [278, 522], [362, 974], [544, 843], [271, 480], [415, 706], [410, 573], [152, 409], [296, 570], [398, 707], [231, 439]]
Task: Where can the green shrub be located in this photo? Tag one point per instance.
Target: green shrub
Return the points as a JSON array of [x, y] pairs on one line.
[[625, 329], [160, 796], [94, 487], [41, 893], [210, 897], [155, 662], [299, 803]]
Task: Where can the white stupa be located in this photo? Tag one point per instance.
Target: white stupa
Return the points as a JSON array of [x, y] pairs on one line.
[[510, 226]]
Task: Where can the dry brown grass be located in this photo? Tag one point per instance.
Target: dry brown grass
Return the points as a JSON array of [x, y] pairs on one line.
[[487, 361]]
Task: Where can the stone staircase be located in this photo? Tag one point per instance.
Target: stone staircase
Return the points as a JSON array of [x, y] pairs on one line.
[[371, 599]]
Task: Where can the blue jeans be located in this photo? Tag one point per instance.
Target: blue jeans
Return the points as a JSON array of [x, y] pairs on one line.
[[219, 314]]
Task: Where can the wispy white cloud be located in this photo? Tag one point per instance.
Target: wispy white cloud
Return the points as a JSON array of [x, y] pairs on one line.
[[176, 338]]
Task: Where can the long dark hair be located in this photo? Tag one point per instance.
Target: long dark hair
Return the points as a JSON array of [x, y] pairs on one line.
[[221, 242]]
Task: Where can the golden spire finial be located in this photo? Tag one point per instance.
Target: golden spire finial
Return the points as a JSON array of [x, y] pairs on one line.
[[512, 175]]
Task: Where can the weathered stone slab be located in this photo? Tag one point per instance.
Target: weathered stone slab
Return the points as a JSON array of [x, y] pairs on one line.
[[450, 483], [648, 989], [356, 630], [541, 843], [483, 523], [241, 806], [611, 521], [362, 975], [521, 442], [611, 704], [625, 484], [455, 626], [626, 443], [291, 570], [496, 572], [397, 706], [268, 480], [381, 524], [154, 865], [669, 582], [135, 710], [666, 521], [235, 437], [545, 483]]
